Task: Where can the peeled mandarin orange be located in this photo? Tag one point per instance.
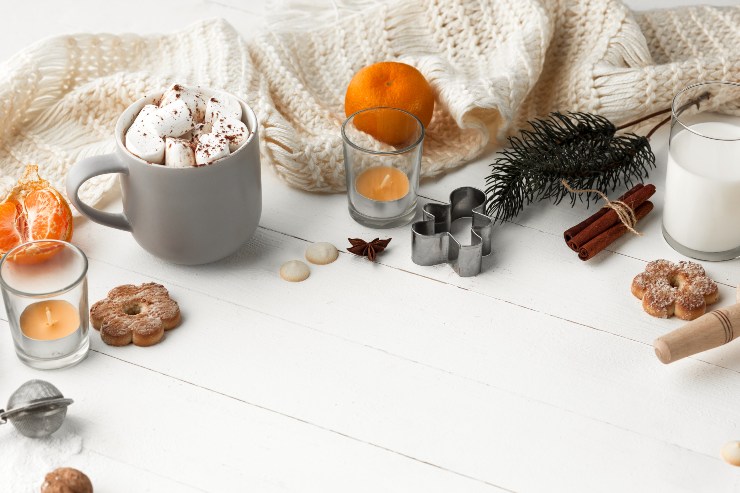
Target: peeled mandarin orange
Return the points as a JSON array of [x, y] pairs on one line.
[[9, 226], [395, 85], [33, 210]]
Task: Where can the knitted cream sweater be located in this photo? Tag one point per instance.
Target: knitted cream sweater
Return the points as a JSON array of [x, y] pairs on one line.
[[492, 64]]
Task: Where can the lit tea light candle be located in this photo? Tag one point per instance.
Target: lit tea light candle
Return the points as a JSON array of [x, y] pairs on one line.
[[49, 320]]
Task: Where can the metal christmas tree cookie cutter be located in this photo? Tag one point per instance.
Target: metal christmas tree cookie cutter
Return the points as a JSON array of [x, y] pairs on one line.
[[431, 240]]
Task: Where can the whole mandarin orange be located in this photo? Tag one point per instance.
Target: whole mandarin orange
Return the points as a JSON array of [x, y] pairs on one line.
[[391, 84]]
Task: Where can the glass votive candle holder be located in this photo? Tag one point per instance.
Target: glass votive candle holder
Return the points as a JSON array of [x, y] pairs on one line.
[[382, 162], [44, 287]]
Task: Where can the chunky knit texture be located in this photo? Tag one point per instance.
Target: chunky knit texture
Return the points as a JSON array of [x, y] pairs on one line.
[[493, 65]]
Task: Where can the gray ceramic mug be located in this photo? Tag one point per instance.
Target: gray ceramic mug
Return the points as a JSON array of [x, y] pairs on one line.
[[182, 215]]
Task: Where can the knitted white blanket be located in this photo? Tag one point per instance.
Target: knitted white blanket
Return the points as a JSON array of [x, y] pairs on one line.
[[492, 64]]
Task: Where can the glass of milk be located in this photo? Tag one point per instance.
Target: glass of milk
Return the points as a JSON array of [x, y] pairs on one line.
[[701, 214]]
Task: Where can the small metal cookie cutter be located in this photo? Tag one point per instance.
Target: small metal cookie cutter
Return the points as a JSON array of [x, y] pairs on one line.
[[432, 243]]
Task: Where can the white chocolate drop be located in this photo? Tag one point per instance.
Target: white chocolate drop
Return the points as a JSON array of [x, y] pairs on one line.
[[731, 453], [321, 253], [294, 271]]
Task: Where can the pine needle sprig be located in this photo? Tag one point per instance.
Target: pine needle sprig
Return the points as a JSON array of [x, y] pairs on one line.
[[579, 147]]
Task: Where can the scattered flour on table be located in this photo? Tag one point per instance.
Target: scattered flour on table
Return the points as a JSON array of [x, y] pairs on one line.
[[25, 461]]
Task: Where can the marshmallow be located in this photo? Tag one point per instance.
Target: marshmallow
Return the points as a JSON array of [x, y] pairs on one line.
[[188, 128], [211, 148], [234, 130], [222, 106], [198, 130], [192, 98], [201, 129], [178, 153], [172, 120], [142, 140], [186, 136]]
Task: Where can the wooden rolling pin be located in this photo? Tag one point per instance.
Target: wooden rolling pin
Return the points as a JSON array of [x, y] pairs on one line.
[[709, 331]]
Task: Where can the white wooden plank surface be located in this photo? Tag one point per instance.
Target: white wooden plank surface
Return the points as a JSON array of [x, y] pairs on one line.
[[175, 434], [537, 375]]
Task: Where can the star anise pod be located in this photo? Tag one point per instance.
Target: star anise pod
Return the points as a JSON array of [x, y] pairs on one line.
[[365, 249]]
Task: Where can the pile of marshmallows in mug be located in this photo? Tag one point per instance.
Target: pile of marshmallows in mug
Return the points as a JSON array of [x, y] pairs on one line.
[[189, 127]]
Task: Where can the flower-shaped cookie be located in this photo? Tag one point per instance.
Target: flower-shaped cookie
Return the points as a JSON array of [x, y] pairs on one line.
[[667, 288], [138, 314]]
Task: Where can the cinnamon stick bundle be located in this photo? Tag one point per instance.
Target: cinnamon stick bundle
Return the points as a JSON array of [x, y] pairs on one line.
[[606, 238], [571, 232], [609, 219]]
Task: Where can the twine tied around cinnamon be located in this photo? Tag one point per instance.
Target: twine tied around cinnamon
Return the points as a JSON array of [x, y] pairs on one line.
[[624, 212]]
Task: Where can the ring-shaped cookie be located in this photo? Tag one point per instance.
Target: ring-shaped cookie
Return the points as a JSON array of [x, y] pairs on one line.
[[682, 289], [138, 314]]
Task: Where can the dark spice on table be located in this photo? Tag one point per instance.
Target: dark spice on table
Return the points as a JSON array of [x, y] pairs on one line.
[[370, 250]]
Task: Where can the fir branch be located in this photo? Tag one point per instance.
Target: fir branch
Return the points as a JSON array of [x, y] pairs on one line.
[[579, 147]]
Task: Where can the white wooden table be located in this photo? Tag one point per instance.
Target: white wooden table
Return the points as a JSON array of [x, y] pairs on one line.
[[537, 375]]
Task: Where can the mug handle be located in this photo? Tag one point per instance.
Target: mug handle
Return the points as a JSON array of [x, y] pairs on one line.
[[89, 168]]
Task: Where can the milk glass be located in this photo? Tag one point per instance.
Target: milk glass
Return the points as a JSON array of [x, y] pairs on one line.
[[701, 214]]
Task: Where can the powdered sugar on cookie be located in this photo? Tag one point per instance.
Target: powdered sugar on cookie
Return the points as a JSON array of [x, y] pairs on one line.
[[667, 288]]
